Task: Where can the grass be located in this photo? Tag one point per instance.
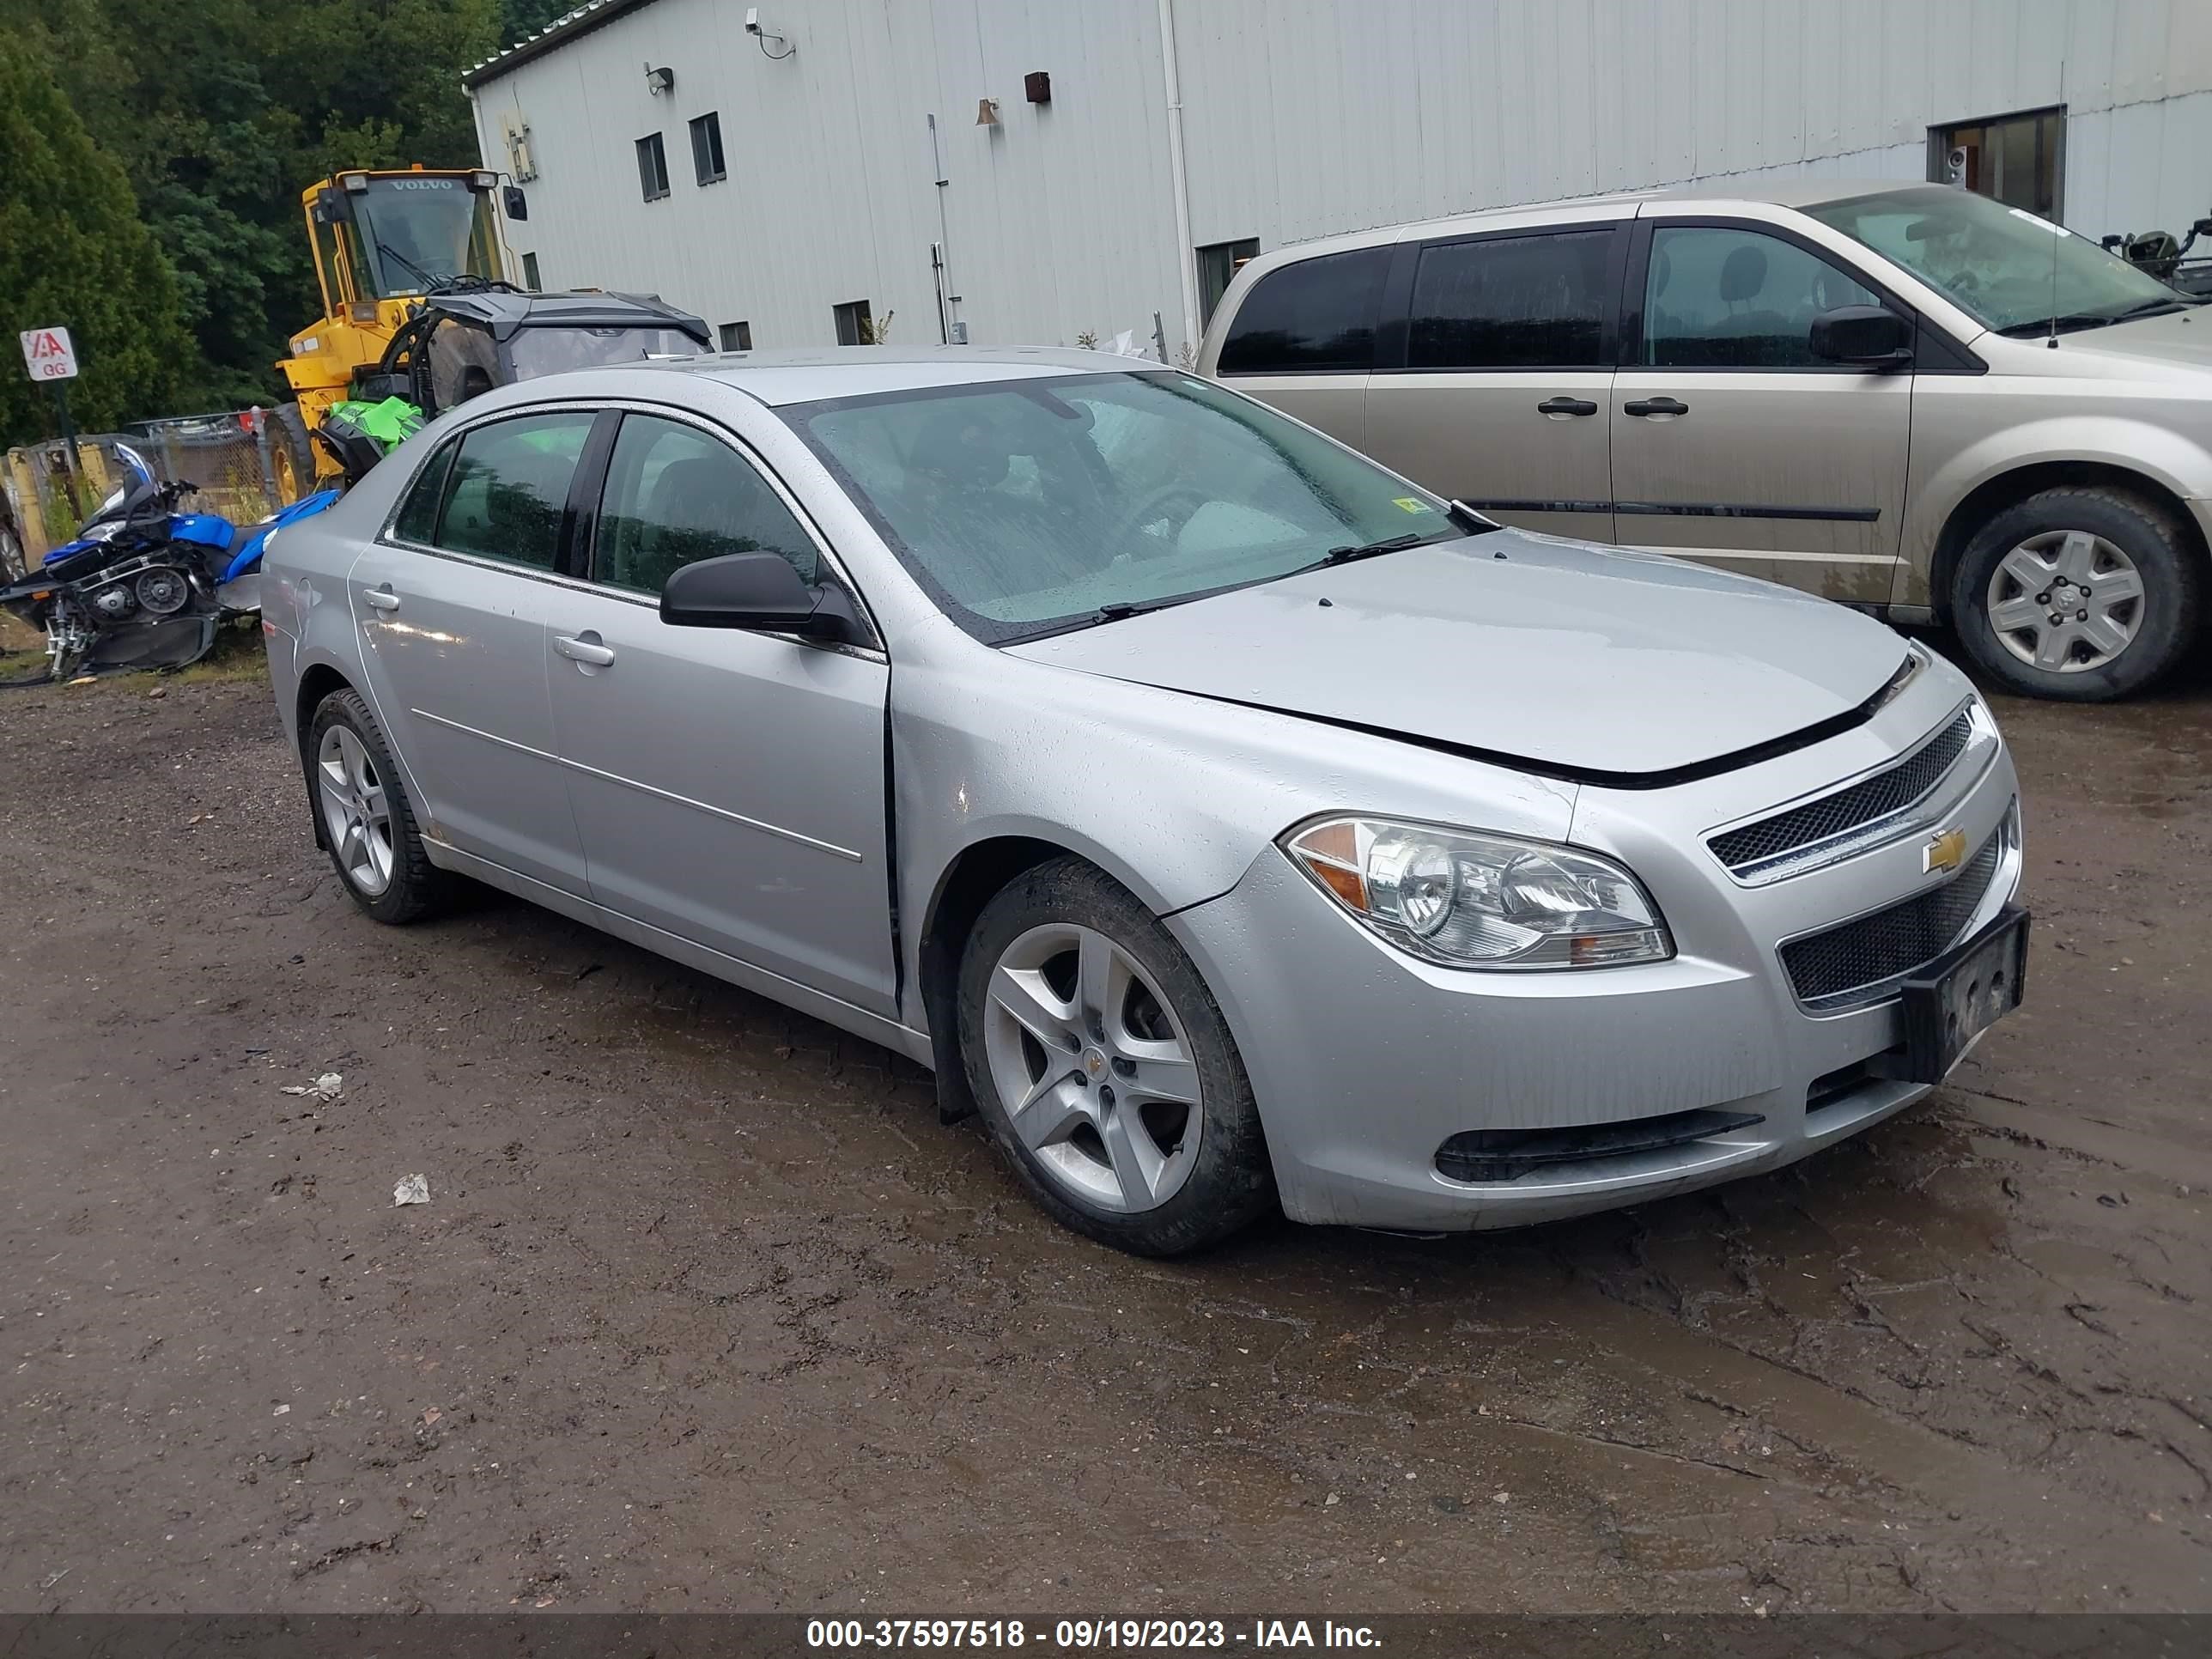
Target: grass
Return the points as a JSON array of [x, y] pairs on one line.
[[236, 658]]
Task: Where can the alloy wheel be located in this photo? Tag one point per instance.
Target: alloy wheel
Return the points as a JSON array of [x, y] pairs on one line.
[[2065, 601], [1093, 1068], [356, 813]]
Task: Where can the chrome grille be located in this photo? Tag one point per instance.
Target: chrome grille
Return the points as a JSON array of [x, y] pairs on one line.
[[1848, 962], [1862, 803]]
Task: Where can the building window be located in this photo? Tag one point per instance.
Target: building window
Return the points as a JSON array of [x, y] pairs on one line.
[[530, 274], [653, 167], [707, 148], [736, 337], [2019, 160], [1218, 266], [854, 326]]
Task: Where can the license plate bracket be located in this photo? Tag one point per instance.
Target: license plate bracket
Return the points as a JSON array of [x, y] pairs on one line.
[[1960, 995]]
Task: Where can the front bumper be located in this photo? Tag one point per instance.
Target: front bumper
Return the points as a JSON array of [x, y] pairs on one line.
[[1364, 1061]]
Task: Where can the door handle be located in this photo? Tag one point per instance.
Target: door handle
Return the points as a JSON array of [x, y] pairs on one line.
[[383, 598], [586, 649], [1655, 406], [1560, 409]]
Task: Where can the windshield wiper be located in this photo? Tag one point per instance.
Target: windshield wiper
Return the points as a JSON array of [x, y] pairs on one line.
[[391, 252], [1120, 608], [1387, 544], [2076, 320]]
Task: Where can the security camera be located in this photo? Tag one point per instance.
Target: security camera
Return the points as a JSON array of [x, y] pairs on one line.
[[752, 20]]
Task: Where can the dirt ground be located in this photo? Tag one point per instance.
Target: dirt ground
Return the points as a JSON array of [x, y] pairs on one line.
[[706, 1311]]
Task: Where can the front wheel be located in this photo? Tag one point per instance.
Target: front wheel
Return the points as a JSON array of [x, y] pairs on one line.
[[2079, 595], [291, 454], [1104, 1069], [368, 820]]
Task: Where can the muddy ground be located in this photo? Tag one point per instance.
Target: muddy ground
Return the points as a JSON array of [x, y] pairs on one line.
[[706, 1311]]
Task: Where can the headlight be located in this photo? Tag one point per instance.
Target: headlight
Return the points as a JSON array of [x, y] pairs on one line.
[[1471, 900]]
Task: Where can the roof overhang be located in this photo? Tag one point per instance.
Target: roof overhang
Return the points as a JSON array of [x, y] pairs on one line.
[[562, 29]]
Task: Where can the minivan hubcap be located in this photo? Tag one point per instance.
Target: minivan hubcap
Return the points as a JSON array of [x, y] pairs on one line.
[[2066, 601], [1093, 1067], [356, 813]]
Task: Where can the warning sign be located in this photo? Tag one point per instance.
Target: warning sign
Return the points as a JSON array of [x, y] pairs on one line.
[[48, 355]]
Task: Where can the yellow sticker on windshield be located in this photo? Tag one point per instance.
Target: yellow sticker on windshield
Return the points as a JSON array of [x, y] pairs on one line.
[[1413, 504]]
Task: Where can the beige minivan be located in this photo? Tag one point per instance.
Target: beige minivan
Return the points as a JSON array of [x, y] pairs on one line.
[[1907, 398]]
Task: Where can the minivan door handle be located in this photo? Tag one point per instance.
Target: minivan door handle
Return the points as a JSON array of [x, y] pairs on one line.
[[1561, 408], [383, 598], [584, 650], [1655, 406]]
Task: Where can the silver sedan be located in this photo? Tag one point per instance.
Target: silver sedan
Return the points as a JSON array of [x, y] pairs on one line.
[[1232, 823]]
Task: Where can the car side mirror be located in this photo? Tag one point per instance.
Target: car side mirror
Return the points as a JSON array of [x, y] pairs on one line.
[[1865, 337], [516, 203], [757, 591]]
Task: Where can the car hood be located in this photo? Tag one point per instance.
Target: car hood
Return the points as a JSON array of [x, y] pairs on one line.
[[1573, 660], [2181, 339]]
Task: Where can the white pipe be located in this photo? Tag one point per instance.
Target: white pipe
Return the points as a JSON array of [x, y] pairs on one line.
[[1179, 180]]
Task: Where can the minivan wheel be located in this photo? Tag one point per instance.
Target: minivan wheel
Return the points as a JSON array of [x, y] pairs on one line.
[[2080, 594], [366, 818], [1104, 1069]]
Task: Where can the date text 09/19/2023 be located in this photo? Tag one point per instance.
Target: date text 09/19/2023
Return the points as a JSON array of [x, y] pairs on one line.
[[1086, 1634]]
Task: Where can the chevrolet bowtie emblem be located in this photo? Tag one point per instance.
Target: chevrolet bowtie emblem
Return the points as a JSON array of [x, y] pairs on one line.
[[1946, 852]]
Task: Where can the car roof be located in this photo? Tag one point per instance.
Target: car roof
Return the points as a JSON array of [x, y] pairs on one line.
[[504, 310], [808, 376], [1796, 192]]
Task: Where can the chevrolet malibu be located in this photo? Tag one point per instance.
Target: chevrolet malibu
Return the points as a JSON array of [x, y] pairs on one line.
[[1233, 824]]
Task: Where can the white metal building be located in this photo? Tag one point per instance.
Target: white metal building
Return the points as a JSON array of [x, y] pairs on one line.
[[887, 165]]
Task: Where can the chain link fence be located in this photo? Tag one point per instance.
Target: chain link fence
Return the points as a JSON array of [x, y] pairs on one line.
[[42, 504]]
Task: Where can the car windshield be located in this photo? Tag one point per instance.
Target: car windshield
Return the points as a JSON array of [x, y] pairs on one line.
[[1026, 506], [2014, 272], [549, 349]]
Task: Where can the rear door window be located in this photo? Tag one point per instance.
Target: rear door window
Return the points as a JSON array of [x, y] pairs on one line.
[[676, 495], [1315, 316], [1537, 301], [418, 513], [1722, 296], [508, 486]]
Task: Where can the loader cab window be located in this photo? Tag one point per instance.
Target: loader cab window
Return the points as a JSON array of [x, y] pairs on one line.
[[410, 233]]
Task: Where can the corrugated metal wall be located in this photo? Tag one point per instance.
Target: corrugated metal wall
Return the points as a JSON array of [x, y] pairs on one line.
[[1303, 118]]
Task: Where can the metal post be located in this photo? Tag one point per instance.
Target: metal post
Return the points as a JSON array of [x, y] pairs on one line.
[[1159, 336], [69, 449]]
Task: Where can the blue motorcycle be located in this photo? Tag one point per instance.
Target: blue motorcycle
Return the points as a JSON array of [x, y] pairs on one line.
[[144, 585]]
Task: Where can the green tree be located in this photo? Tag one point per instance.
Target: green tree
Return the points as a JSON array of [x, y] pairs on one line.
[[74, 253], [221, 111]]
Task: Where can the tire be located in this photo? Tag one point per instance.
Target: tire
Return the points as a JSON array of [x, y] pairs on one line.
[[2119, 534], [403, 885], [291, 454], [1089, 1072]]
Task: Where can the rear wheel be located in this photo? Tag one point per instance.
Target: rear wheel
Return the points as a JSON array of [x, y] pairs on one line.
[[366, 818], [2079, 595], [291, 454], [1104, 1069]]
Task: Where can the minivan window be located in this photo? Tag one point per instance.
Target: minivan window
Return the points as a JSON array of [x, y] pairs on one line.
[[2009, 270], [676, 495], [1722, 297], [1027, 507], [1512, 302], [510, 481], [1316, 315]]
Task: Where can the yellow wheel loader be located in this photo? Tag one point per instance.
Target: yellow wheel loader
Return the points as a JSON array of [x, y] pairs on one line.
[[417, 305]]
